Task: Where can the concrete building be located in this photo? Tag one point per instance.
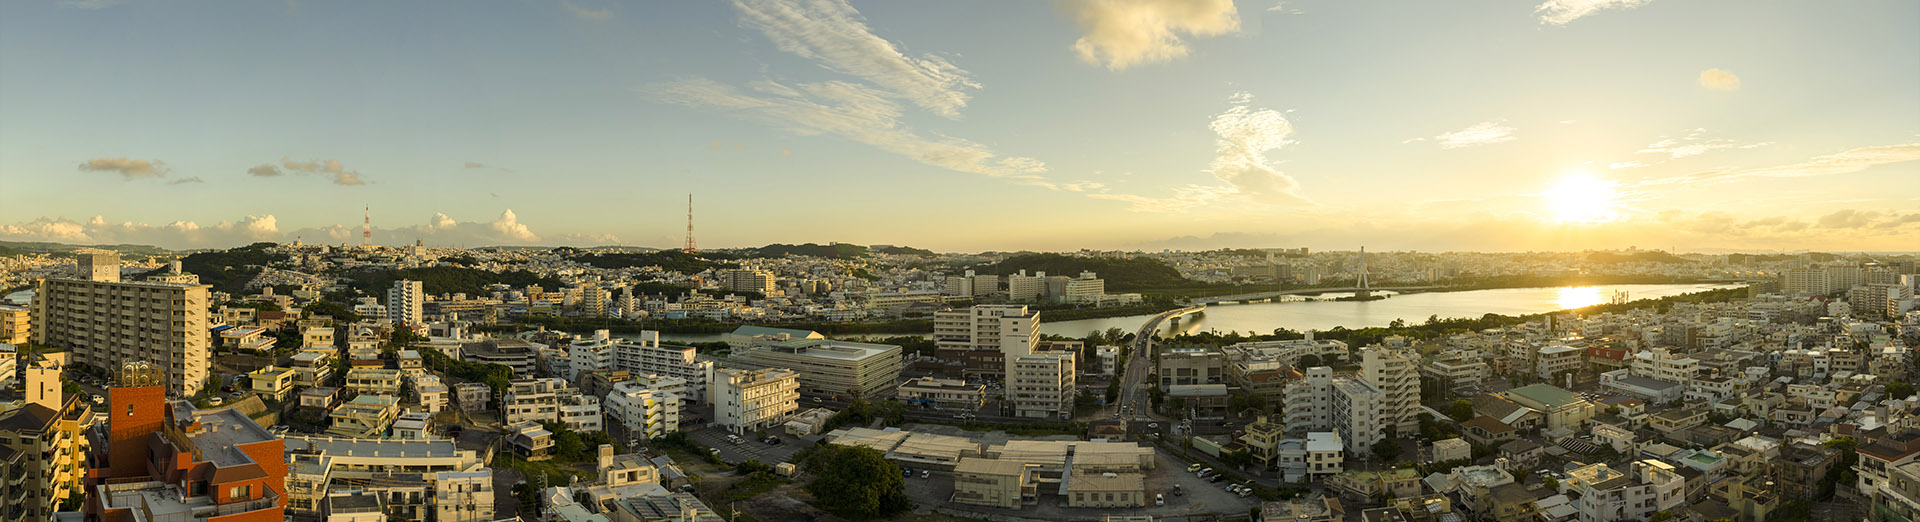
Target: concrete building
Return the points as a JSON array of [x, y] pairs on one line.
[[831, 369], [1562, 409], [1608, 495], [1106, 490], [512, 353], [747, 280], [533, 399], [646, 356], [636, 411], [430, 392], [590, 355], [1553, 361], [420, 479], [142, 456], [473, 396], [994, 482], [364, 416], [106, 323], [1085, 289], [1041, 385], [406, 303], [1006, 330], [1191, 365], [16, 325], [1358, 414], [943, 394], [1396, 375], [41, 440], [1447, 450], [376, 381], [1660, 364], [748, 400], [272, 382]]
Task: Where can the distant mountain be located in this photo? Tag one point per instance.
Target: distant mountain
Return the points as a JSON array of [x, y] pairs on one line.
[[8, 248], [903, 251]]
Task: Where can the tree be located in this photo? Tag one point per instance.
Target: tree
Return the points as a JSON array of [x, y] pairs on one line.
[[1113, 391], [1386, 449], [1520, 475], [1461, 410], [1899, 390], [856, 481], [1309, 361], [1661, 516], [1237, 458]]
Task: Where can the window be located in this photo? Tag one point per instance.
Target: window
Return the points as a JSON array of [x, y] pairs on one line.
[[239, 492]]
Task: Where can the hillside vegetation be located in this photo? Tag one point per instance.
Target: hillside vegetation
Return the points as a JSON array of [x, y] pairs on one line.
[[230, 270], [446, 279], [672, 260]]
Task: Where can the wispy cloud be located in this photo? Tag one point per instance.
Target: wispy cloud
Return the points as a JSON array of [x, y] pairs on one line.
[[1719, 80], [1562, 12], [475, 165], [1483, 133], [1844, 162], [1625, 165], [1694, 143], [1245, 136], [92, 4], [126, 167], [1125, 33], [584, 12], [340, 174], [186, 180], [835, 36]]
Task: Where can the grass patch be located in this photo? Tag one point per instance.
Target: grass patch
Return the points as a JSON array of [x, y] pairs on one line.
[[557, 474]]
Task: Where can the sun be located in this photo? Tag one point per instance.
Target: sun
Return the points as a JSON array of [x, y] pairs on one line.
[[1579, 198]]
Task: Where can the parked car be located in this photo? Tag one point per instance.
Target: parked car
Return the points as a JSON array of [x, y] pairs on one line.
[[1160, 499], [926, 474], [906, 473], [1193, 468], [1177, 491], [1215, 478]]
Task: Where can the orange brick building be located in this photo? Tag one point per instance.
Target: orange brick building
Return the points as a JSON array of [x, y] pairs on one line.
[[169, 461]]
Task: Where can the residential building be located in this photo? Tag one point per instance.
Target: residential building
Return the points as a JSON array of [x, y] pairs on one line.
[[747, 280], [1085, 289], [430, 392], [994, 483], [106, 323], [322, 397], [1552, 362], [376, 381], [646, 356], [589, 355], [272, 382], [1661, 364], [1562, 408], [636, 411], [16, 325], [473, 396], [311, 368], [578, 412], [748, 400], [1006, 330], [1308, 401], [316, 336], [1311, 509], [530, 441], [364, 416], [1358, 414], [1181, 365], [1262, 439], [43, 444], [419, 479], [1041, 385], [1609, 495], [1396, 375], [513, 353], [406, 303], [1447, 450], [533, 399], [831, 369], [943, 394], [1109, 359], [146, 456]]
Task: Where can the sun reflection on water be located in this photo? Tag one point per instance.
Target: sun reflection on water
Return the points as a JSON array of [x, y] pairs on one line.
[[1580, 297]]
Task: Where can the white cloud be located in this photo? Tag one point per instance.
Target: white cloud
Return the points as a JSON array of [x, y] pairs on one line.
[[1562, 12], [1245, 136], [178, 234], [1844, 162], [340, 174], [508, 227], [1719, 80], [126, 167], [852, 111], [1124, 33], [475, 165], [1694, 143], [1483, 133], [834, 35]]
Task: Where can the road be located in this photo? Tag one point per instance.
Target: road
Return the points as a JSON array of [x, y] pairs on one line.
[[1133, 393]]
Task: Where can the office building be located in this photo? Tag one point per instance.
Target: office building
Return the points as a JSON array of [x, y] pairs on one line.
[[748, 400], [406, 303], [831, 369], [106, 323], [995, 482]]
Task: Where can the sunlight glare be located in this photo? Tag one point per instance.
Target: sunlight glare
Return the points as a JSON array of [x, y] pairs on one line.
[[1579, 198], [1580, 297]]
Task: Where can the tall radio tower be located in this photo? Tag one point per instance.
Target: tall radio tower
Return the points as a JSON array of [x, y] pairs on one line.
[[691, 246], [366, 228]]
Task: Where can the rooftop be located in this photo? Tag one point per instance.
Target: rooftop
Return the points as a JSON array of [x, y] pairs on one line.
[[1552, 396], [339, 446]]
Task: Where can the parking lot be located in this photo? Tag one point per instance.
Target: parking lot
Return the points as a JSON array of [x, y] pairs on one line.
[[1199, 496], [716, 438]]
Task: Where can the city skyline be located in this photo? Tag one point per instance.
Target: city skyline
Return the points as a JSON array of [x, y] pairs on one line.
[[1510, 126]]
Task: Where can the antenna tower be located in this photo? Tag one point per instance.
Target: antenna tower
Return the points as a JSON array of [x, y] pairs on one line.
[[366, 228], [691, 246]]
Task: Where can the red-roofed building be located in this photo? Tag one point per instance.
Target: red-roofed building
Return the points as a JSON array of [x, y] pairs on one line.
[[169, 461], [1604, 359]]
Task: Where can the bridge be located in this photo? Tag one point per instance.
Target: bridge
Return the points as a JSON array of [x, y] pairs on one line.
[[1261, 296]]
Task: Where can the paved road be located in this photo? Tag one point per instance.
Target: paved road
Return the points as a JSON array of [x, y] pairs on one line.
[[1133, 401]]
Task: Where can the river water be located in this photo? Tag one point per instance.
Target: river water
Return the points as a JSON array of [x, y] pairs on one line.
[[1303, 315]]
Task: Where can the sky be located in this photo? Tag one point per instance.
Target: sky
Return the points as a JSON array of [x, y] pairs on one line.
[[1499, 125]]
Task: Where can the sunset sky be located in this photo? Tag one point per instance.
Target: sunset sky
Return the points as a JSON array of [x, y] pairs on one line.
[[966, 126]]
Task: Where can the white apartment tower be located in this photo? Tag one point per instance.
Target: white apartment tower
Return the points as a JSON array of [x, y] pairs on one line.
[[406, 302], [749, 400], [1308, 404], [1041, 385], [1358, 414], [639, 411], [645, 355], [107, 323], [1397, 375]]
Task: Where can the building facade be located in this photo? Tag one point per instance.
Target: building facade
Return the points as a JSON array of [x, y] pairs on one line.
[[748, 400], [108, 323]]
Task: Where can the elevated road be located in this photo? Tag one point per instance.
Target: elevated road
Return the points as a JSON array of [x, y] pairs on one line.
[[1258, 296], [1133, 393]]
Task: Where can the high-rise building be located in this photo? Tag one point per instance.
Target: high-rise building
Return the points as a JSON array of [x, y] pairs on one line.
[[1041, 384], [108, 323], [104, 268], [1023, 288], [1009, 330], [1358, 414], [594, 301], [1397, 375], [406, 302], [44, 436], [589, 355], [749, 400], [1084, 289], [748, 280], [152, 447], [1805, 281]]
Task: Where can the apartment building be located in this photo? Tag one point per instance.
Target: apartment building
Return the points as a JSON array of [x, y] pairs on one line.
[[417, 479], [406, 303], [106, 323], [635, 411], [1396, 375], [1085, 289], [1553, 361], [430, 392], [272, 382], [747, 280], [578, 412], [533, 399], [473, 396], [1182, 365], [376, 381], [1609, 495], [1359, 414], [364, 416], [46, 452], [1308, 403], [238, 469], [748, 400], [16, 325], [646, 356], [831, 369], [1661, 364], [591, 354], [1457, 369], [1008, 330], [943, 394], [512, 353], [1041, 385]]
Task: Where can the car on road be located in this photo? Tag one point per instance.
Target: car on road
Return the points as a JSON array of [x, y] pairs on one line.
[[1177, 491], [1195, 467], [1206, 472], [1160, 499], [714, 451], [926, 474]]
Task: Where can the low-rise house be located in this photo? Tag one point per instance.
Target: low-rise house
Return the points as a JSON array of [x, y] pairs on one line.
[[530, 441], [272, 382], [376, 381], [1487, 432], [319, 397], [1522, 453], [364, 416]]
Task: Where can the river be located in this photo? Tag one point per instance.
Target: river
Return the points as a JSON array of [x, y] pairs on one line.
[[1303, 315]]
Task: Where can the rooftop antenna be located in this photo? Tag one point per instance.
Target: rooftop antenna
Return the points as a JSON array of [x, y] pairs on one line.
[[366, 228], [691, 246]]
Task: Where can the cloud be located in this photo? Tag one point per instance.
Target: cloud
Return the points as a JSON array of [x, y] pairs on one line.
[[183, 181], [1483, 133], [1562, 12], [584, 12], [340, 174], [127, 168], [1245, 136], [475, 165], [1625, 165], [835, 36], [847, 110], [178, 234], [1694, 143], [92, 4], [1125, 33], [1846, 162], [509, 228], [1719, 80], [1847, 218]]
